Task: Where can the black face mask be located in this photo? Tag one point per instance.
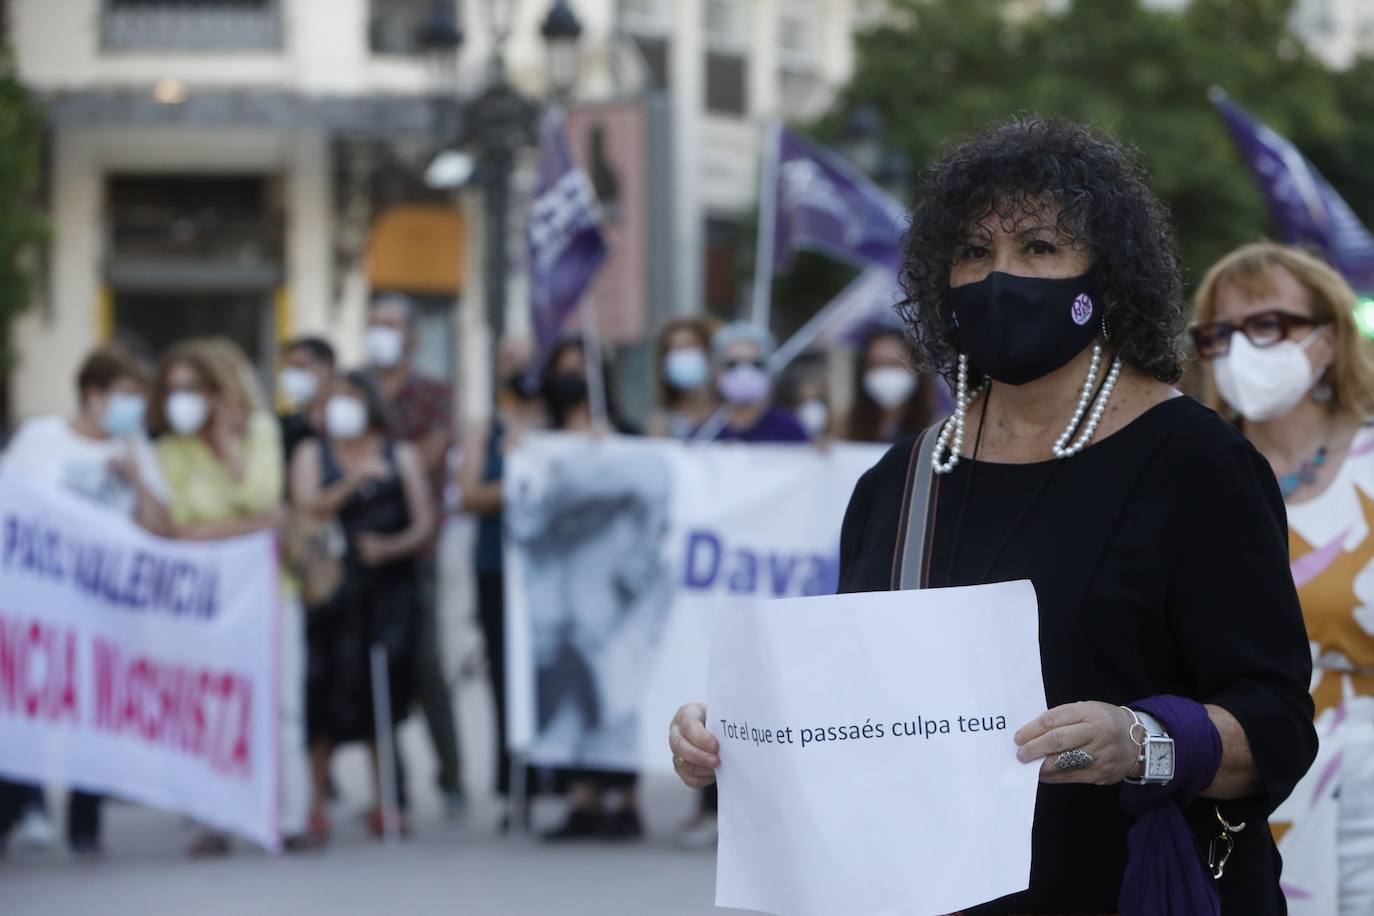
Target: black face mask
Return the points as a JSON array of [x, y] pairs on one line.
[[520, 386], [1018, 329], [567, 390]]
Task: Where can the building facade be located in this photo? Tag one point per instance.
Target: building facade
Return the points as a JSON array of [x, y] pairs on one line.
[[256, 168], [1338, 31]]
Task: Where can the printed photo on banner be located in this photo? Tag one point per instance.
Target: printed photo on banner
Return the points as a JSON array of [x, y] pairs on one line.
[[616, 550]]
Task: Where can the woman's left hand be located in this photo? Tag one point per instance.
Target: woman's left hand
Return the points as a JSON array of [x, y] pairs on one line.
[[1099, 729]]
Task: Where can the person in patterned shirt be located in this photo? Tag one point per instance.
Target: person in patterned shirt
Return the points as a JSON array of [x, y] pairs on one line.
[[421, 412], [1276, 327]]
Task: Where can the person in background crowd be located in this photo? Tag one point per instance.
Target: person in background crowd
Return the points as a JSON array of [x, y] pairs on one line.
[[102, 455], [802, 389], [1039, 264], [421, 412], [683, 371], [563, 388], [220, 452], [376, 488], [518, 409], [304, 384], [1276, 328], [741, 353], [890, 401]]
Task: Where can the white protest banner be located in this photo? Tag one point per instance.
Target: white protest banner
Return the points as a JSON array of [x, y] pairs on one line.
[[136, 666], [867, 760], [616, 550]]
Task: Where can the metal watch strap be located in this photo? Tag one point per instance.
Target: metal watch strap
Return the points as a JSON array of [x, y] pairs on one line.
[[1151, 731]]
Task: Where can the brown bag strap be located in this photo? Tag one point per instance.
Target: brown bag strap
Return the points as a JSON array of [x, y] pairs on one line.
[[911, 569]]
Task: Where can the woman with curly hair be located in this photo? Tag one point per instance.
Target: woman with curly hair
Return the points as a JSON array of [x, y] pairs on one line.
[[1042, 282]]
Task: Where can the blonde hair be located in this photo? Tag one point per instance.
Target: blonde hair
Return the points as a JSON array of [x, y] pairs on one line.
[[1250, 270], [221, 367]]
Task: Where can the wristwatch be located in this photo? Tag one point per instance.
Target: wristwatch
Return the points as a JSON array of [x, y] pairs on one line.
[[1156, 763]]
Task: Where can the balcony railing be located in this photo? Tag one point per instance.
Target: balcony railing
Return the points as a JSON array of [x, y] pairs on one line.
[[191, 25]]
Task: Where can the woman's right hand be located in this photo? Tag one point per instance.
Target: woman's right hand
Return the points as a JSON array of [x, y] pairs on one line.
[[696, 752]]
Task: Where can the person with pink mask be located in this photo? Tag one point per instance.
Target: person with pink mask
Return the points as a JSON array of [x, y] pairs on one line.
[[742, 350]]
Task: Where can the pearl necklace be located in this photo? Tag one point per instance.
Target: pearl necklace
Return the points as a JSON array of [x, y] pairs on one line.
[[951, 440]]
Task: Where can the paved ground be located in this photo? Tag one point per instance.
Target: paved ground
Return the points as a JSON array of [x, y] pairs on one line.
[[466, 868]]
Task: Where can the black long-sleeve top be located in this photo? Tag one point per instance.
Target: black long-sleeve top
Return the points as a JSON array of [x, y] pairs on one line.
[[1160, 561]]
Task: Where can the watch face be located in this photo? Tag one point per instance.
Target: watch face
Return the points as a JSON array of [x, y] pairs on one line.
[[1159, 760]]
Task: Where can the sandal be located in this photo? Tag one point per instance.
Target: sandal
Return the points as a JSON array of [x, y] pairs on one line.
[[210, 846], [315, 835], [376, 825]]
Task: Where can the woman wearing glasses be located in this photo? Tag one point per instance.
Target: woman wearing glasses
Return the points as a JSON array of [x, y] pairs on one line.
[[1277, 328]]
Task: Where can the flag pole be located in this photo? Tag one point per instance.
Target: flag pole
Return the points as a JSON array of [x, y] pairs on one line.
[[595, 361], [768, 218]]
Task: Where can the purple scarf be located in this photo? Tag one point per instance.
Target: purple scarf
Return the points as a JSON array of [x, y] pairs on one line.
[[1164, 870]]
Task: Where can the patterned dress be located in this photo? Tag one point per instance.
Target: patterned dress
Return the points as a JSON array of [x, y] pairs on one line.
[[1326, 828]]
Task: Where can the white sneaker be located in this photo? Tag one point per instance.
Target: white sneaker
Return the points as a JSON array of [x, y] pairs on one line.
[[698, 833], [35, 831], [455, 806]]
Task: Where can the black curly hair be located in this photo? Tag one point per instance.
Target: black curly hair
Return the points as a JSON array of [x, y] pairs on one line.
[[1017, 170]]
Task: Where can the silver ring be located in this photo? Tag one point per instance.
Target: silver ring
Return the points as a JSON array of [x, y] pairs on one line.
[[1077, 759]]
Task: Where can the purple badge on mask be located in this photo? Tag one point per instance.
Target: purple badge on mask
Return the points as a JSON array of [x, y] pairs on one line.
[[1082, 311]]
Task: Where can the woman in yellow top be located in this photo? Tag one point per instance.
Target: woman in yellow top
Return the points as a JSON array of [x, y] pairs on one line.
[[1276, 326], [220, 453]]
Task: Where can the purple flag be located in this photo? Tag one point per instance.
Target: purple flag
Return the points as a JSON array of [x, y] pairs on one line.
[[825, 204], [566, 247], [869, 301], [1306, 210]]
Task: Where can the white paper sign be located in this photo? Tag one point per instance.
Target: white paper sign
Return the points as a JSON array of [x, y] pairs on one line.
[[867, 760]]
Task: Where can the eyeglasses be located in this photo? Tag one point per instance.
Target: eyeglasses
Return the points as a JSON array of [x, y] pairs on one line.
[[1263, 330], [736, 363]]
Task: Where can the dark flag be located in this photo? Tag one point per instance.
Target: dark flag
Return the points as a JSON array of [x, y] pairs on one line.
[[1306, 210]]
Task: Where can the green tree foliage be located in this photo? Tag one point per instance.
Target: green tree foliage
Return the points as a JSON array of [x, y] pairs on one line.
[[948, 66], [22, 227]]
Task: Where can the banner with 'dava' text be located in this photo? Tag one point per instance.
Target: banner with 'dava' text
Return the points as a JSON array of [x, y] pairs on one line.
[[867, 758], [136, 666], [617, 550]]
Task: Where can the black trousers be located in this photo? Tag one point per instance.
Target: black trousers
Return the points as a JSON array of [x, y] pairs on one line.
[[83, 811], [13, 795], [83, 818]]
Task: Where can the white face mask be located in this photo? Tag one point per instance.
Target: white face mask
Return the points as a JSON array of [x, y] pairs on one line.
[[385, 346], [814, 417], [297, 386], [123, 416], [1262, 383], [889, 385], [345, 417], [687, 369], [187, 412]]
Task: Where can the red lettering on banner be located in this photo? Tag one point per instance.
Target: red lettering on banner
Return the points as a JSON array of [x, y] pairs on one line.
[[243, 747], [176, 707], [37, 670]]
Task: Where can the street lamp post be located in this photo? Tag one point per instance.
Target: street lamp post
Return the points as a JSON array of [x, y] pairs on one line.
[[562, 31], [865, 143], [497, 123]]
